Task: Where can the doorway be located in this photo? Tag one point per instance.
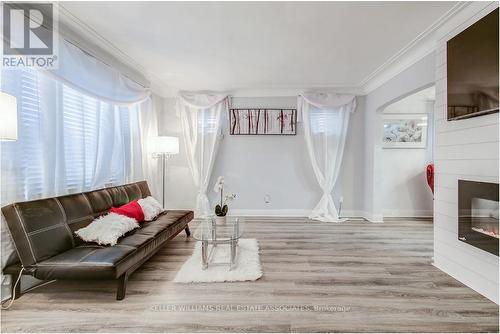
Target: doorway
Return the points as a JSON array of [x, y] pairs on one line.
[[407, 150]]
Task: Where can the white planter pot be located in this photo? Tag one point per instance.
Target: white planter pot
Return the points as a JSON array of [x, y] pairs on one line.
[[220, 220]]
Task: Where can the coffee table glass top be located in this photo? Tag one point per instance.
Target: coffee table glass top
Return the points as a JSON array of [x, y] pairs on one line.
[[212, 231]]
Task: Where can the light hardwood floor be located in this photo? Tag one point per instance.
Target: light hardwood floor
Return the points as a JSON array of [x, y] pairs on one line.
[[380, 274]]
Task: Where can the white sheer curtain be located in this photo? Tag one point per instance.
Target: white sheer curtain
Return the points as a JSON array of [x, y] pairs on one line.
[[326, 120], [201, 123], [92, 77], [151, 170]]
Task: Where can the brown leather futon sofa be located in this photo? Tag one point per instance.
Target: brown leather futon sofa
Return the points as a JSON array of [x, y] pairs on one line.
[[42, 231]]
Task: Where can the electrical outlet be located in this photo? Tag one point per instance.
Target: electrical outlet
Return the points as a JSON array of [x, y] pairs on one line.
[[267, 199]]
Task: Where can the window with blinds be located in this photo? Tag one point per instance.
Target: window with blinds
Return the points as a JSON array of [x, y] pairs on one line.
[[21, 159], [323, 121], [67, 141]]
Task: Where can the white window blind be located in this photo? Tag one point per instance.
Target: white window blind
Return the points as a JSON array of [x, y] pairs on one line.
[[323, 120], [21, 159], [67, 141]]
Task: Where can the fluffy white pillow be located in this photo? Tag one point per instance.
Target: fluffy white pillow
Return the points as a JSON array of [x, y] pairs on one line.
[[150, 207], [106, 230]]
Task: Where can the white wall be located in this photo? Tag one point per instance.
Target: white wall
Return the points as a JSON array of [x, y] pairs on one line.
[[466, 149], [276, 166], [416, 77], [405, 192]]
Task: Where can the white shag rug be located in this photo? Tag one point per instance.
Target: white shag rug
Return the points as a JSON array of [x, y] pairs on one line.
[[247, 266]]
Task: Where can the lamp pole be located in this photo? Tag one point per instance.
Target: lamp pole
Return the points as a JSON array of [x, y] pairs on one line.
[[164, 157], [163, 147]]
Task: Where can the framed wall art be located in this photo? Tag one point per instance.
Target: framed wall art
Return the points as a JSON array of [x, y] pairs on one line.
[[405, 131], [261, 121]]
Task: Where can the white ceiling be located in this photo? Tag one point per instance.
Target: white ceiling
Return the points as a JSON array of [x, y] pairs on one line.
[[259, 45]]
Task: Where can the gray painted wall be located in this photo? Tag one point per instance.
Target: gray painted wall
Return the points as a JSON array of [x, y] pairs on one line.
[[276, 166], [418, 76]]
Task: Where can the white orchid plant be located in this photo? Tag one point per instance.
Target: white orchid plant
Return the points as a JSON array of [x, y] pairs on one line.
[[222, 208]]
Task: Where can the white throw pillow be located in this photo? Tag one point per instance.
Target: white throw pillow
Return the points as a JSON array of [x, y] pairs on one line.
[[106, 230], [150, 207]]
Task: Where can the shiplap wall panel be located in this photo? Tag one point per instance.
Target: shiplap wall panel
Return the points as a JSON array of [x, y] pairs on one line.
[[445, 181], [473, 167], [451, 180], [443, 125], [440, 112], [484, 133], [476, 151], [468, 150], [446, 223], [446, 208], [465, 256], [448, 265], [441, 72], [446, 193]]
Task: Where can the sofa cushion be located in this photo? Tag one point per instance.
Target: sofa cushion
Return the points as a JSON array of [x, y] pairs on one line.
[[164, 220], [39, 229], [84, 262], [100, 200], [118, 195], [149, 230], [93, 261], [77, 209], [135, 239], [134, 191]]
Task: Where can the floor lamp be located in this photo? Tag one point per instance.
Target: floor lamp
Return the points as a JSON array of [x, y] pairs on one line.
[[163, 148]]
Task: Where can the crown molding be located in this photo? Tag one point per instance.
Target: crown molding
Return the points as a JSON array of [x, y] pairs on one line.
[[290, 91], [273, 91], [86, 32], [418, 48], [67, 18]]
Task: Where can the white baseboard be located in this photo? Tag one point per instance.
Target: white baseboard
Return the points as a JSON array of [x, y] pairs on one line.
[[373, 218], [270, 213], [369, 216], [408, 213]]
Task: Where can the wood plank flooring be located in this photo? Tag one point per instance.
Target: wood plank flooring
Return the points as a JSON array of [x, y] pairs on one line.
[[318, 277]]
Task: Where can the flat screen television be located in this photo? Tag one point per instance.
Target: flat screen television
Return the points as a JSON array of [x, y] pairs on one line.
[[472, 64]]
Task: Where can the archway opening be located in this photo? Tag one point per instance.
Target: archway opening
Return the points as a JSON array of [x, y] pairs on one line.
[[407, 151]]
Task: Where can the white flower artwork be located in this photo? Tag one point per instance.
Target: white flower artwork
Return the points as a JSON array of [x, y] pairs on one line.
[[405, 131]]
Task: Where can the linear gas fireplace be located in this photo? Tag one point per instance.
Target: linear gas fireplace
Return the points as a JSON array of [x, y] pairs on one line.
[[478, 214]]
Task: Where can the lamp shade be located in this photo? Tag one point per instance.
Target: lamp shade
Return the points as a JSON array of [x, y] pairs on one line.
[[8, 117], [165, 145]]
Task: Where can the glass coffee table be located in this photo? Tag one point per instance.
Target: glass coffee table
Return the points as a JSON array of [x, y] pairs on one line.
[[212, 234]]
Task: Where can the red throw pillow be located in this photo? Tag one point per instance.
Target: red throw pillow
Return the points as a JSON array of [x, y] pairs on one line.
[[132, 210]]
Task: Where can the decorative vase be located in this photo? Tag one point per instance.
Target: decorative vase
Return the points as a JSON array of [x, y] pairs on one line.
[[220, 220]]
